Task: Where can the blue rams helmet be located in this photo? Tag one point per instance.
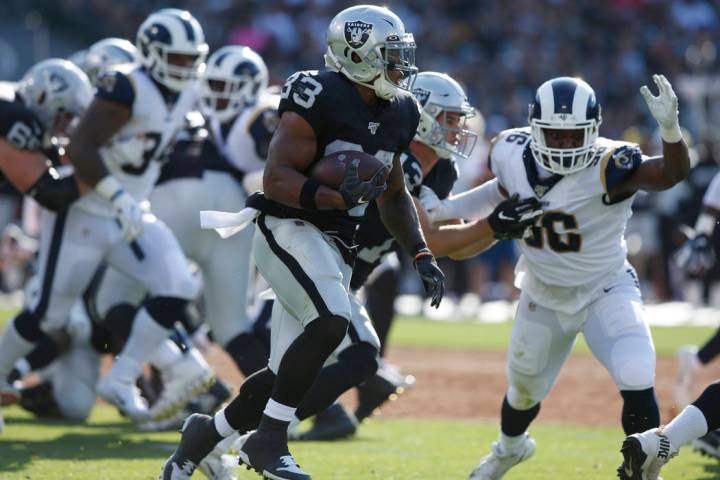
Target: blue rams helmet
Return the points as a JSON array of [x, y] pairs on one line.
[[564, 103], [171, 45]]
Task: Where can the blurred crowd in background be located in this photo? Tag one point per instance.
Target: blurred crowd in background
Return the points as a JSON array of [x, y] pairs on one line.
[[501, 50]]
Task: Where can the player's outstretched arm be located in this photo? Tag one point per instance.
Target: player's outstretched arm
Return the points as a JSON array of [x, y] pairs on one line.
[[99, 123], [292, 150], [472, 204], [674, 166], [398, 214]]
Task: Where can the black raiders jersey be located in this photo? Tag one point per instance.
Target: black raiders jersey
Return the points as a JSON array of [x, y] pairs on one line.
[[373, 239], [333, 107]]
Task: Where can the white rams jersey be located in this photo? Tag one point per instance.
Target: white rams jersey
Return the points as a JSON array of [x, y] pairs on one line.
[[245, 144], [579, 241], [712, 194], [134, 155]]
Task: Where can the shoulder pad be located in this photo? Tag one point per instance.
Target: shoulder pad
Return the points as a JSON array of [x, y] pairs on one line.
[[20, 127], [118, 86], [303, 94], [618, 162], [517, 136], [261, 127]]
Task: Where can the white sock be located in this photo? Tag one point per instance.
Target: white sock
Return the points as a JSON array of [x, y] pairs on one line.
[[278, 411], [511, 444], [166, 354], [146, 335], [23, 367], [221, 424], [686, 427], [12, 347]]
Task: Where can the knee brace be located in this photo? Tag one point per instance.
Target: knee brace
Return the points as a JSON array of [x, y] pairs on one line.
[[27, 325], [640, 410], [361, 361], [166, 310]]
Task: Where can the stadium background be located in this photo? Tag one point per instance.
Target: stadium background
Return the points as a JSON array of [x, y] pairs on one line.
[[501, 50]]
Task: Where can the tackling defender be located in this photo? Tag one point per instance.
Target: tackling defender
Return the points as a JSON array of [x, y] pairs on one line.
[[573, 272]]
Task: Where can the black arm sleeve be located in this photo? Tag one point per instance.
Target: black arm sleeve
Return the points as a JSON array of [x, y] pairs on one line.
[[54, 190]]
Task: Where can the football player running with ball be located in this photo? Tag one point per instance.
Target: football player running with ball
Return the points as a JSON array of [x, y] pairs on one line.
[[304, 238], [573, 271]]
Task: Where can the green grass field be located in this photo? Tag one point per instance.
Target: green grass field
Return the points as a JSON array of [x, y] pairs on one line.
[[109, 448]]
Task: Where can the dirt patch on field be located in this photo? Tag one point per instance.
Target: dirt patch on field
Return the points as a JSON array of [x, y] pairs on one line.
[[469, 384]]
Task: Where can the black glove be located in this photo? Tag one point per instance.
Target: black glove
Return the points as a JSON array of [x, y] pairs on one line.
[[510, 219], [432, 277], [696, 256], [354, 191]]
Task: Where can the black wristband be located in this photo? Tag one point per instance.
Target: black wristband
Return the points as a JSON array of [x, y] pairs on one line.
[[307, 194], [419, 247]]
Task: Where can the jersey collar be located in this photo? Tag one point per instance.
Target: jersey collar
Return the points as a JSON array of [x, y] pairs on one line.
[[540, 186]]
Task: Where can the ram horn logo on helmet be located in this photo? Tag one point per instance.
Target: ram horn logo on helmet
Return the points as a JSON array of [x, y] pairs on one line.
[[357, 33]]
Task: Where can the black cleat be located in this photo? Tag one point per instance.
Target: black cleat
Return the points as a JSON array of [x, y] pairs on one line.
[[333, 423], [384, 386], [708, 445], [633, 460], [270, 457], [198, 439]]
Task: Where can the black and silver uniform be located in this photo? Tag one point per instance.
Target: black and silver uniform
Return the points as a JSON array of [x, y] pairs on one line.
[[21, 128], [373, 239], [333, 107]]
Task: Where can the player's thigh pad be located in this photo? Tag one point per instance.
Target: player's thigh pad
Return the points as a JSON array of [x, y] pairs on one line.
[[538, 349], [360, 329], [306, 272], [73, 376], [284, 329], [226, 273], [156, 260], [618, 335], [72, 246]]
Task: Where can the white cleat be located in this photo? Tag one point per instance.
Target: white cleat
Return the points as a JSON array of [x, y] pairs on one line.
[[218, 466], [688, 366], [124, 395], [183, 381], [496, 463], [644, 454]]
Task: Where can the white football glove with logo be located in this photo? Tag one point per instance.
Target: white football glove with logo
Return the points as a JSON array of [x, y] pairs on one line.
[[664, 108], [128, 212]]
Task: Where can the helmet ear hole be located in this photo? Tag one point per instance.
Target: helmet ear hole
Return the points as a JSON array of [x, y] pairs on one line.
[[41, 98], [355, 58]]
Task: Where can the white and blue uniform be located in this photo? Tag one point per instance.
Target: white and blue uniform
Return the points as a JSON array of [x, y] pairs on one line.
[[212, 180], [573, 271], [79, 239]]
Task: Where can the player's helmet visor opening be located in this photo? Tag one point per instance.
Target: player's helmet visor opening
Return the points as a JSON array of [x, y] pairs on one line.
[[182, 66], [399, 62], [560, 156]]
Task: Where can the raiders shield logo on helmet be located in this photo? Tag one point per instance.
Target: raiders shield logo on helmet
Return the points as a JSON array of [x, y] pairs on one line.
[[422, 95], [357, 33]]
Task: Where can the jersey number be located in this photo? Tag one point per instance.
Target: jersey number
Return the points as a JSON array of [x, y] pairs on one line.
[[559, 242], [152, 140], [303, 87], [23, 136]]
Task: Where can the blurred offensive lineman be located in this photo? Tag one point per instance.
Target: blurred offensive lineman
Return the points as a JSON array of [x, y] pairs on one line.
[[135, 115], [41, 106], [573, 272], [305, 231], [429, 162]]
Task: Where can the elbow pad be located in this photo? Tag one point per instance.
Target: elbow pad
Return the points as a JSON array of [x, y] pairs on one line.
[[54, 191]]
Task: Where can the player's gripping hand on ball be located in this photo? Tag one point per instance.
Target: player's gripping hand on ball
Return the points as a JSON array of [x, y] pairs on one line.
[[355, 191]]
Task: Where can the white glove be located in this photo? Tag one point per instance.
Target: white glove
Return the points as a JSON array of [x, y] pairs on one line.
[[436, 209], [127, 211], [664, 108]]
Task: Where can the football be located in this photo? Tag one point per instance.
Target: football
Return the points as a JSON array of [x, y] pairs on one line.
[[330, 169]]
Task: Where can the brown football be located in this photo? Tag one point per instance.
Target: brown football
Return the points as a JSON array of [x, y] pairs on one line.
[[330, 170]]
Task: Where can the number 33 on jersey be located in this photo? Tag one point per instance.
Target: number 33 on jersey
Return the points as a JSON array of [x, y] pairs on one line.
[[580, 238]]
